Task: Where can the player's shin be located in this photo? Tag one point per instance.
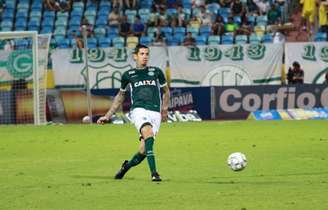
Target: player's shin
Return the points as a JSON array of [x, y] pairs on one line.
[[150, 154], [136, 159]]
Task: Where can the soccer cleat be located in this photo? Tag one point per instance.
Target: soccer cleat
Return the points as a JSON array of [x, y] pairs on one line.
[[155, 177], [122, 171]]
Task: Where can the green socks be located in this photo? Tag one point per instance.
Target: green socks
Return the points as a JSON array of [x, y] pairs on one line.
[[150, 154], [136, 159]]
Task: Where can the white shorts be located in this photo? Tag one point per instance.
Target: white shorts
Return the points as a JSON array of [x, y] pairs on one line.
[[140, 116]]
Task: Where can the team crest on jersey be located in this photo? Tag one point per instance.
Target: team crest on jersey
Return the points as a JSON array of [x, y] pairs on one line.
[[151, 69], [151, 73], [132, 72], [145, 82]]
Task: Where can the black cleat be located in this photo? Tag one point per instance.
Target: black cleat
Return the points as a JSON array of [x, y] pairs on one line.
[[155, 177], [122, 171]]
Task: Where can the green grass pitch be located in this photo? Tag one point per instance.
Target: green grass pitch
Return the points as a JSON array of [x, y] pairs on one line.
[[72, 167]]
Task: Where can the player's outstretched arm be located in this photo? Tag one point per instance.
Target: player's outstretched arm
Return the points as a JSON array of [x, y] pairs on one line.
[[166, 101], [118, 100]]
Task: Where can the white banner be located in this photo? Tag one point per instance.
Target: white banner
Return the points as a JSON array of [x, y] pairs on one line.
[[222, 65], [313, 58], [106, 65]]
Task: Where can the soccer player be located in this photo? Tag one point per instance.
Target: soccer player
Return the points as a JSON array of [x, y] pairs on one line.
[[147, 108]]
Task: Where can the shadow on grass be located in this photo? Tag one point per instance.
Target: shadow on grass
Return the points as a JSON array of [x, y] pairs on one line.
[[100, 177]]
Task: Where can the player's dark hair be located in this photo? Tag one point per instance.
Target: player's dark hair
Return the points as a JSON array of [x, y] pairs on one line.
[[138, 47]]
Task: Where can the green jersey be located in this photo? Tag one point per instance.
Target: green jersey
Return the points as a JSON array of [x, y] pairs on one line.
[[144, 87]]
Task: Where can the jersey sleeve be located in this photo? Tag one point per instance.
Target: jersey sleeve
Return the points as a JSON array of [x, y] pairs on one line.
[[161, 78], [124, 81]]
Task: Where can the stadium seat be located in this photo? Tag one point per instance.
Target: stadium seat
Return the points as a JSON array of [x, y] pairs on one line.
[[179, 30], [112, 32], [227, 39], [59, 33], [205, 30], [23, 5], [63, 43], [20, 24], [8, 15], [259, 30], [131, 14], [48, 13], [63, 15], [187, 13], [166, 30], [103, 12], [212, 8], [106, 5], [251, 20], [35, 14], [254, 39], [146, 4], [214, 40], [187, 4], [104, 42], [46, 30], [241, 39], [118, 42], [151, 31], [61, 23], [179, 37], [34, 25], [21, 44], [171, 12], [101, 21], [75, 22], [36, 6], [92, 43], [201, 40], [225, 11], [78, 5], [262, 20], [146, 40], [267, 38], [100, 32], [237, 19], [172, 41], [320, 37], [194, 31], [132, 41]]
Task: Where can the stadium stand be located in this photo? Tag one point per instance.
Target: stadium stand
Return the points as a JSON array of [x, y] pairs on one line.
[[172, 21]]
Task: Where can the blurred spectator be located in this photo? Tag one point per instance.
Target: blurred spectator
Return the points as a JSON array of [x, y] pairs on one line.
[[198, 3], [9, 45], [326, 78], [263, 6], [244, 29], [218, 26], [230, 26], [189, 40], [162, 14], [89, 26], [194, 22], [225, 3], [78, 40], [138, 28], [295, 74], [153, 17], [125, 27], [323, 16], [308, 14], [172, 3], [131, 4], [182, 17], [274, 15], [238, 8], [114, 17], [204, 17], [59, 5], [117, 4], [159, 41]]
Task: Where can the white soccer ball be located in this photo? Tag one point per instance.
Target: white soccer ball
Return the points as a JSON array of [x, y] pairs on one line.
[[86, 119], [237, 161]]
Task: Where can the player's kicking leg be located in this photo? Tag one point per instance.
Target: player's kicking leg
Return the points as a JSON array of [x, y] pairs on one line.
[[136, 160], [148, 135]]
